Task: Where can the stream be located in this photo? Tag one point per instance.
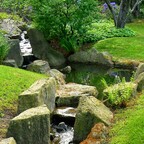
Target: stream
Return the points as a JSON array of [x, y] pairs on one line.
[[88, 74]]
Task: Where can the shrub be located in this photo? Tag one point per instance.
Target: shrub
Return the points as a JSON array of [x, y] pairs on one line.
[[105, 29], [118, 94], [4, 47]]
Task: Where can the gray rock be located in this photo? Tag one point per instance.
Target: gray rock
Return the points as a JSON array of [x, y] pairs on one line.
[[66, 70], [8, 141], [43, 51], [139, 70], [15, 52], [69, 94], [39, 66], [31, 126], [89, 112], [10, 27], [92, 56], [41, 92], [59, 77], [140, 82], [126, 64], [10, 62]]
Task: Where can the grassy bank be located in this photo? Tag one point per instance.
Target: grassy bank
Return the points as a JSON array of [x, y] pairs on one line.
[[129, 125], [126, 47], [14, 81]]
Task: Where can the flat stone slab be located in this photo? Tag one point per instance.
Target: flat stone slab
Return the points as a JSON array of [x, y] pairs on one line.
[[69, 94]]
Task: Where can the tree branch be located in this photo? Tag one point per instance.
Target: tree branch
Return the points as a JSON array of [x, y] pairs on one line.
[[135, 5]]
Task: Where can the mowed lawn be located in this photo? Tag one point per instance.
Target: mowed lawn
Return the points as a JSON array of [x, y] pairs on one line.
[[126, 47], [13, 81]]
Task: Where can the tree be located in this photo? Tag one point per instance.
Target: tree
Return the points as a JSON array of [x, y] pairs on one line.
[[126, 8], [65, 20]]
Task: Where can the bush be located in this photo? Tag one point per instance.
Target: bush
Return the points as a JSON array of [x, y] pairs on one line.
[[105, 29], [118, 94], [4, 47]]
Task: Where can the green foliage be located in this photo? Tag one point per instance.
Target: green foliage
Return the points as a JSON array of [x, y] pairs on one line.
[[119, 93], [4, 15], [13, 82], [64, 19], [105, 29], [4, 47]]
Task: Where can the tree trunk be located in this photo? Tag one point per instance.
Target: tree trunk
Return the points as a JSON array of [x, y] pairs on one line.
[[112, 11], [123, 13]]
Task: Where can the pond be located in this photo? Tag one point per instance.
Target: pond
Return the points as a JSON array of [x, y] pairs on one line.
[[94, 74]]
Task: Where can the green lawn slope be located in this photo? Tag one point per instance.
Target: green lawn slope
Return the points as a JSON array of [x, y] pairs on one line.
[[129, 126], [126, 47], [13, 81]]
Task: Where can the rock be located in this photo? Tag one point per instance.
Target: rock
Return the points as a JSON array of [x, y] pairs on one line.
[[8, 141], [10, 27], [139, 70], [43, 51], [31, 126], [69, 94], [124, 92], [41, 92], [15, 52], [10, 62], [126, 64], [39, 66], [89, 112], [66, 70], [98, 135], [92, 56], [59, 77], [140, 82], [66, 114]]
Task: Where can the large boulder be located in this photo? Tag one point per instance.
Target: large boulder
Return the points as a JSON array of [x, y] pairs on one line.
[[41, 92], [89, 112], [15, 52], [8, 141], [39, 66], [31, 126], [42, 50], [91, 56], [69, 94], [98, 135], [139, 70]]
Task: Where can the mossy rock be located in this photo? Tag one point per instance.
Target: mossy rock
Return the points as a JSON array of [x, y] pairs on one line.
[[31, 126], [89, 112]]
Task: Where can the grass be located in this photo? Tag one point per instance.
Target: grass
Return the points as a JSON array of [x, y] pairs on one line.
[[129, 125], [125, 47], [14, 81]]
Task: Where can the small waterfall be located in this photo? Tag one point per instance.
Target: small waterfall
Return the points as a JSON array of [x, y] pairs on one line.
[[25, 45]]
